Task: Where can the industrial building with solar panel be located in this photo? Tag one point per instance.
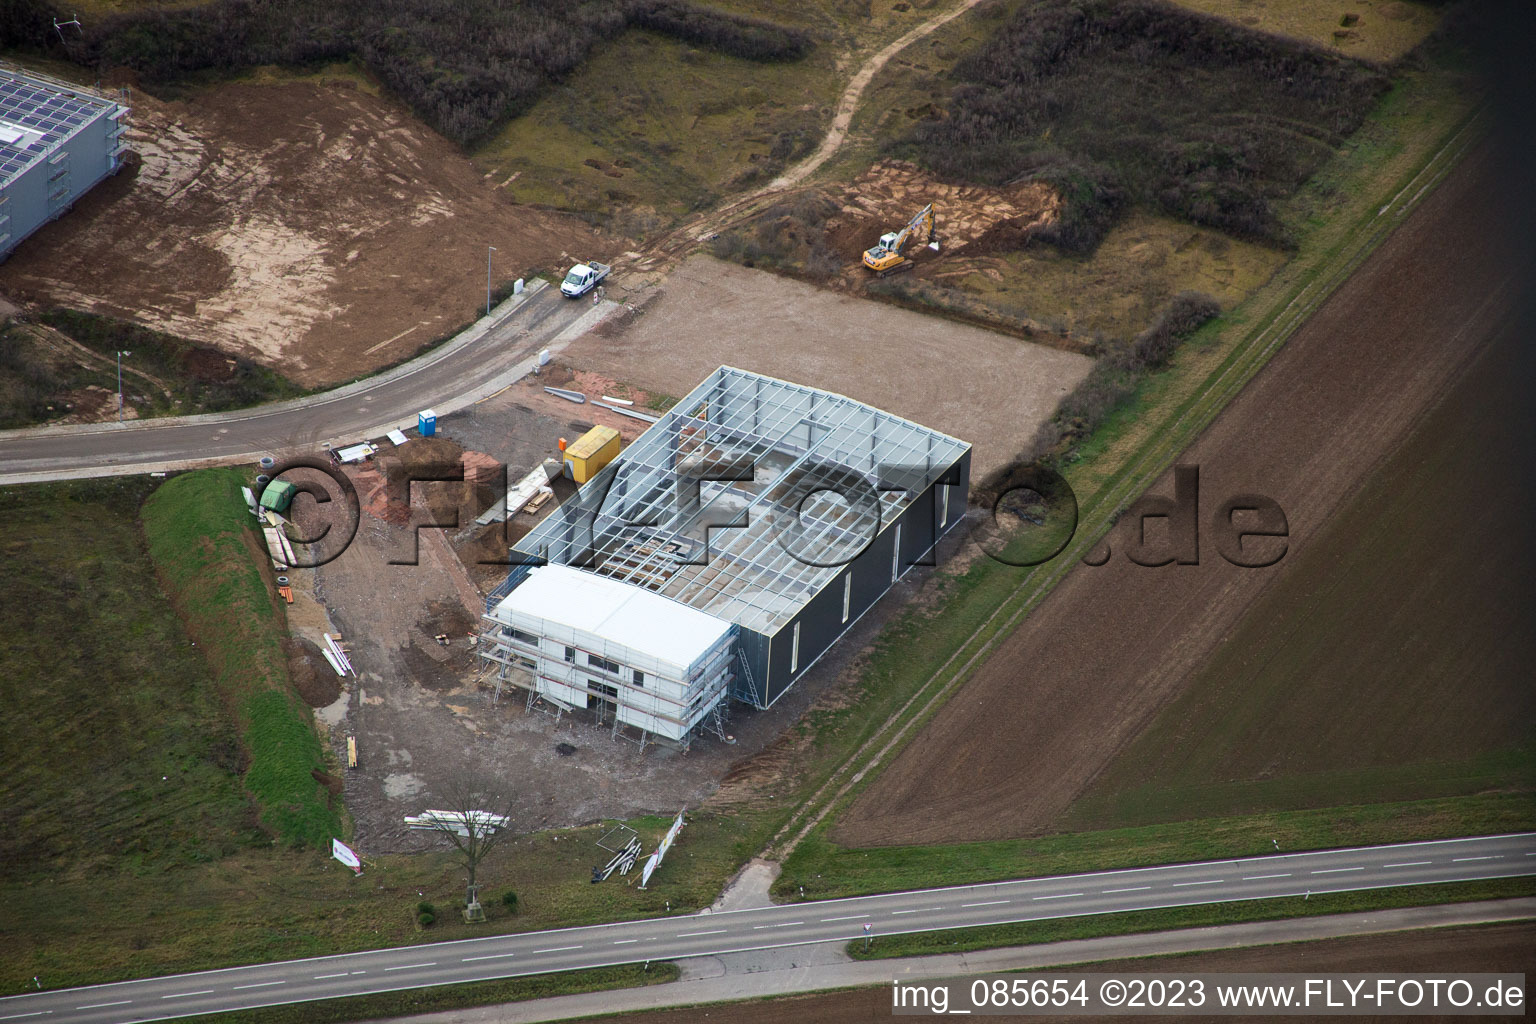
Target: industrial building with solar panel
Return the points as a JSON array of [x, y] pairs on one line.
[[56, 142], [720, 554]]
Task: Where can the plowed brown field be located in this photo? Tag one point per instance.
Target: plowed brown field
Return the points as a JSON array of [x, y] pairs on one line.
[[1112, 645]]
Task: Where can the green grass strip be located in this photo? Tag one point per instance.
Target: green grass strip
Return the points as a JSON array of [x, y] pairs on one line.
[[451, 997], [197, 533], [1062, 929]]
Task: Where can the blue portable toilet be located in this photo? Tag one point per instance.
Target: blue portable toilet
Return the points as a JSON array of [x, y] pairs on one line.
[[426, 422]]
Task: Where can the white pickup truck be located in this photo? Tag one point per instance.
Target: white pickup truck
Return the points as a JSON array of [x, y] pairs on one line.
[[583, 277]]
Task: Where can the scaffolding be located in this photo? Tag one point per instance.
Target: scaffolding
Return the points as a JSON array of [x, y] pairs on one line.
[[639, 662]]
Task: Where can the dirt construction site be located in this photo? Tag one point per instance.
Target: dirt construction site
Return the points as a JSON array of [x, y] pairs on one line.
[[406, 603], [314, 228], [980, 386], [1115, 643]]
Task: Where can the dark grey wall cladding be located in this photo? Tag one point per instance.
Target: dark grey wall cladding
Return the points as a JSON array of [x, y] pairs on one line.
[[821, 619]]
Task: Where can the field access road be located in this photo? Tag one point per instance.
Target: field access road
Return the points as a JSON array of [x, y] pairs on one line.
[[493, 353], [793, 924]]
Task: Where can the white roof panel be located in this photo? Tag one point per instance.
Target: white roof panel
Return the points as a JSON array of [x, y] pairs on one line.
[[622, 613]]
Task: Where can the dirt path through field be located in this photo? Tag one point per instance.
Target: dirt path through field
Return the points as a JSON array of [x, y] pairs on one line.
[[663, 253], [848, 103], [1113, 644]]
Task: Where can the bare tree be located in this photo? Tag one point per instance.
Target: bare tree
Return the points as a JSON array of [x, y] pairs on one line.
[[476, 813]]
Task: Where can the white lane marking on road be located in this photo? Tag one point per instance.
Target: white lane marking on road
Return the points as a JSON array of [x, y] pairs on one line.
[[1059, 896], [97, 1006], [1334, 871], [989, 903], [411, 967], [1458, 860], [488, 956], [18, 1016], [183, 995], [894, 912], [785, 924], [689, 935], [624, 942], [260, 984], [850, 917], [1208, 881], [1409, 864], [1283, 874], [1134, 888], [322, 977]]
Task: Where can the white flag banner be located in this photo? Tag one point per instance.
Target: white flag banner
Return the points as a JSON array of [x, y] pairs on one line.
[[650, 865], [671, 836], [344, 853]]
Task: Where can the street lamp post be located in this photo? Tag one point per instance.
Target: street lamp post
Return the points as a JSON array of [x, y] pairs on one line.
[[488, 250], [120, 354]]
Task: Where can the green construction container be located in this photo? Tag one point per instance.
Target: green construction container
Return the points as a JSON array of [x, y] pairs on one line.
[[278, 496]]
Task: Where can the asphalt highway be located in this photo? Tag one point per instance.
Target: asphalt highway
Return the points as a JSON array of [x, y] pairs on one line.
[[490, 355], [705, 934]]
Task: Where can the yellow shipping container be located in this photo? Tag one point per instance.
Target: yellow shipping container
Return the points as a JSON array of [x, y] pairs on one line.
[[591, 452]]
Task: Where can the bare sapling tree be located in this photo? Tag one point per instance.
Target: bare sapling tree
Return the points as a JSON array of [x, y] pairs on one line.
[[475, 815]]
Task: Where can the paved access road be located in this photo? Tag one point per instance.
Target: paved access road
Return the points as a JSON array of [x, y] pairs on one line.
[[705, 934], [490, 355]]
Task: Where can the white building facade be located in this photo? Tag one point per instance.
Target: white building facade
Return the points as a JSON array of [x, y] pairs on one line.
[[635, 658]]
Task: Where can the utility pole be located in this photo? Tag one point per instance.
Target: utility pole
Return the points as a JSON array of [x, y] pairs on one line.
[[120, 354], [488, 250]]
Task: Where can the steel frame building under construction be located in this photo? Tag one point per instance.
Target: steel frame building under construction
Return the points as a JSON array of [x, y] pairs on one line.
[[721, 554]]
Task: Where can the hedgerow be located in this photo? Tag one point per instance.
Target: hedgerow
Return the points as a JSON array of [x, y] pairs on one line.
[[1136, 100]]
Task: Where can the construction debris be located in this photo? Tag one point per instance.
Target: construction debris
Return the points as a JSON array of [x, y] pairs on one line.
[[632, 414], [458, 822], [337, 656], [569, 396]]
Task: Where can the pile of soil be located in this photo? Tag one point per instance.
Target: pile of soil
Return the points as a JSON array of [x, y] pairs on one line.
[[976, 218], [313, 678]]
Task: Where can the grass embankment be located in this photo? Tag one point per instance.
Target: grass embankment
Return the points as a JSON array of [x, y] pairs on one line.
[[198, 534], [46, 367], [965, 940], [828, 871], [262, 902], [451, 997]]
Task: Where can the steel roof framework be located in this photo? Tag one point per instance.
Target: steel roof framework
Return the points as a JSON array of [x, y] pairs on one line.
[[757, 545]]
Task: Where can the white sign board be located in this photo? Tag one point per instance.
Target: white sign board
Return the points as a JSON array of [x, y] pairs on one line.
[[344, 853]]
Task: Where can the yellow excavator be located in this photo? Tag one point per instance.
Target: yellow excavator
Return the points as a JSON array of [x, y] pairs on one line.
[[886, 258]]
